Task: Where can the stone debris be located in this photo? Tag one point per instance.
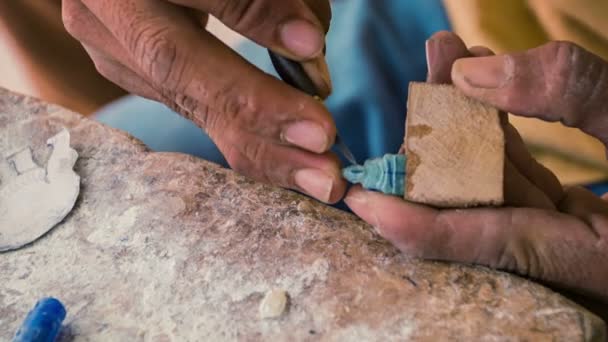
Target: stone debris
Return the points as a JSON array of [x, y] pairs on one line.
[[273, 304]]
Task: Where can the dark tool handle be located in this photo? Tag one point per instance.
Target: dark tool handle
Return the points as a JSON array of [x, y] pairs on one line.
[[292, 73]]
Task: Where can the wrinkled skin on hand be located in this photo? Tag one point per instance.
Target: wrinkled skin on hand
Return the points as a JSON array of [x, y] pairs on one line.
[[265, 129], [546, 232]]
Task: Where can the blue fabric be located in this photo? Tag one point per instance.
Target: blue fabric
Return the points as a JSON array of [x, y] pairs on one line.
[[160, 128], [374, 49], [598, 188]]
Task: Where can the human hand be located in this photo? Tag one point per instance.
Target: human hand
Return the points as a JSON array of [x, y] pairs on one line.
[[265, 129], [548, 233]]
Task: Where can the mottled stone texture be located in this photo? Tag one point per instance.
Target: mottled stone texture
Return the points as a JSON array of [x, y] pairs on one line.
[[164, 246]]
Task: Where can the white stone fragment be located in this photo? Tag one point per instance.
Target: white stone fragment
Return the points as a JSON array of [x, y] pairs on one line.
[[22, 161], [273, 304], [35, 199]]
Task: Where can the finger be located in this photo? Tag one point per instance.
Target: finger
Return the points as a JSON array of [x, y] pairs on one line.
[[314, 174], [106, 51], [322, 10], [121, 75], [393, 220], [185, 64], [174, 53], [442, 49], [289, 27], [429, 233], [292, 28], [521, 159], [317, 68], [521, 192], [480, 51], [541, 177], [525, 176], [528, 183], [558, 81], [584, 204], [541, 244], [84, 26]]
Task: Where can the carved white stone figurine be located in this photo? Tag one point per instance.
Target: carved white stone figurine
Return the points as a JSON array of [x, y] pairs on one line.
[[34, 199]]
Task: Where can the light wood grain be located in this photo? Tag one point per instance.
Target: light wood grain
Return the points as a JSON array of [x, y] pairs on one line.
[[455, 148]]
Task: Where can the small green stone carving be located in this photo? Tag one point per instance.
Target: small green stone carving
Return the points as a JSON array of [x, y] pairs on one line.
[[386, 174]]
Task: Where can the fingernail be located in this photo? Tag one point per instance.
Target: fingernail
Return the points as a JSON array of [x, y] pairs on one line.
[[355, 199], [432, 49], [441, 51], [324, 72], [484, 72], [436, 72], [318, 71], [302, 38], [315, 183], [307, 135], [358, 202]]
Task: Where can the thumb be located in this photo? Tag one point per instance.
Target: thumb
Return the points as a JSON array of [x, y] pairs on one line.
[[288, 27], [558, 81]]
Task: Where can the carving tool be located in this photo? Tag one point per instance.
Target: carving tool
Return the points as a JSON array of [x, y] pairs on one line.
[[292, 73]]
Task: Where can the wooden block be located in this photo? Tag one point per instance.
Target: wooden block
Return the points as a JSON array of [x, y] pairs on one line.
[[455, 149]]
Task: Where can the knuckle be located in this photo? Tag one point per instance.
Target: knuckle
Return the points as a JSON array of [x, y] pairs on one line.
[[322, 9], [159, 56], [571, 76], [518, 254], [506, 260], [235, 106], [219, 109], [558, 56], [235, 159], [200, 113], [190, 108], [439, 246], [596, 79], [506, 255], [243, 15], [71, 17], [247, 158], [103, 68], [255, 152]]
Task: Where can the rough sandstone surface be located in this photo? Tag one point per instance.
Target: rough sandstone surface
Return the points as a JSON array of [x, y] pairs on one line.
[[165, 247]]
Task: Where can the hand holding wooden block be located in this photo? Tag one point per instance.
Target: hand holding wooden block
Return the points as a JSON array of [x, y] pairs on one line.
[[455, 149]]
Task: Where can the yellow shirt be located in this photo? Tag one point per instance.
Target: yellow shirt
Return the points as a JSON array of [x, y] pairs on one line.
[[515, 25]]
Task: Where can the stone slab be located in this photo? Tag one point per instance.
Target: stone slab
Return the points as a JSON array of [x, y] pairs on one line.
[[167, 247]]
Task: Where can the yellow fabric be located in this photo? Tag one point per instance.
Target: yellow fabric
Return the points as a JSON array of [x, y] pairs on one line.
[[515, 25]]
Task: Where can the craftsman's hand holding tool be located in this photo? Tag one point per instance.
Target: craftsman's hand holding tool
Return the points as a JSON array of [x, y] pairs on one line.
[[265, 128], [553, 234]]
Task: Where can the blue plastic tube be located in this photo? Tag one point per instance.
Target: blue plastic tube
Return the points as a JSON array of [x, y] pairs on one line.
[[42, 323]]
